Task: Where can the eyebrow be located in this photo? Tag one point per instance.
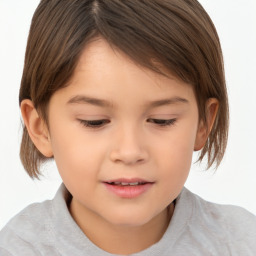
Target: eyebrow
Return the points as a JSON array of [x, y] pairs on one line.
[[82, 99], [169, 101]]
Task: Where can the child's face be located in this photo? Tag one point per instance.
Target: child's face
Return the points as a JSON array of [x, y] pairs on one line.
[[132, 144]]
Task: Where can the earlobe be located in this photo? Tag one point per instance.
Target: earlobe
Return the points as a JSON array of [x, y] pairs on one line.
[[36, 128], [204, 128]]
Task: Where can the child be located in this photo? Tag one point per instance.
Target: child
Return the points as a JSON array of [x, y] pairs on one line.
[[120, 94]]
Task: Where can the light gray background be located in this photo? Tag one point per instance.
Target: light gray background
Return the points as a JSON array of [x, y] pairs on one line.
[[235, 180]]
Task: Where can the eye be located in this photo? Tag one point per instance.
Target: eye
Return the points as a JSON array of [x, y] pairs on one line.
[[163, 122], [94, 123]]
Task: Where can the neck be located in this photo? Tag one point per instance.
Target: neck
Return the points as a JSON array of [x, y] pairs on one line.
[[119, 239]]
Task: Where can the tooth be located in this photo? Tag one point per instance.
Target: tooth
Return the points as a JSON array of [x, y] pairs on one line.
[[129, 184], [125, 183], [134, 184]]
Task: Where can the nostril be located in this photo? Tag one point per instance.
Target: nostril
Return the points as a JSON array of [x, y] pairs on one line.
[[127, 158]]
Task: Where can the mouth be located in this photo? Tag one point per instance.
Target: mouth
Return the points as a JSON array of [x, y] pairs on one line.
[[119, 183], [128, 188]]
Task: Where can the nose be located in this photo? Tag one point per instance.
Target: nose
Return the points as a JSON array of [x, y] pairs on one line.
[[129, 147]]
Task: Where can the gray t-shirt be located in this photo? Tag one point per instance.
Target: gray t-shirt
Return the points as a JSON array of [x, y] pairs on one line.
[[196, 228]]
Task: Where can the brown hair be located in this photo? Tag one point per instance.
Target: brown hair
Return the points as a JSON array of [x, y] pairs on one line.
[[179, 34]]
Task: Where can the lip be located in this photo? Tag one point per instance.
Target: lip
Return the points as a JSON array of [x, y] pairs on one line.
[[128, 191]]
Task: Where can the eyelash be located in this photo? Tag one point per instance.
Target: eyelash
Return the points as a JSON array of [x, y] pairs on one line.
[[163, 122], [94, 124]]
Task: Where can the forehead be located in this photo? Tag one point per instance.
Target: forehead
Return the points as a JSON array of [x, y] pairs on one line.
[[106, 73], [101, 57]]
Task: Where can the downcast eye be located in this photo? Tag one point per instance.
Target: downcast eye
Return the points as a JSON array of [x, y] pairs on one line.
[[94, 123], [162, 122]]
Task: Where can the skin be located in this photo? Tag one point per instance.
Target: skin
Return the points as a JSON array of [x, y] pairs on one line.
[[130, 144]]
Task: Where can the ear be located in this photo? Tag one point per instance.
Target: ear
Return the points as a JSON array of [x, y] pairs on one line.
[[204, 128], [36, 127]]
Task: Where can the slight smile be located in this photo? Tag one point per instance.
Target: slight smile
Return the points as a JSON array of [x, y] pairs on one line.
[[128, 188]]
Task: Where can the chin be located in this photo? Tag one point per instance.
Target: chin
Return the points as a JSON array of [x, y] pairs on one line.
[[129, 219]]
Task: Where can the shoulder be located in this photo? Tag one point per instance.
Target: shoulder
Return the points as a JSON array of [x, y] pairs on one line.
[[33, 230], [233, 217], [226, 224], [23, 230]]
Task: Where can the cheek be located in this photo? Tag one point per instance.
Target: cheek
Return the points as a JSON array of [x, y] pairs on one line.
[[179, 146], [173, 173], [175, 156], [76, 155]]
